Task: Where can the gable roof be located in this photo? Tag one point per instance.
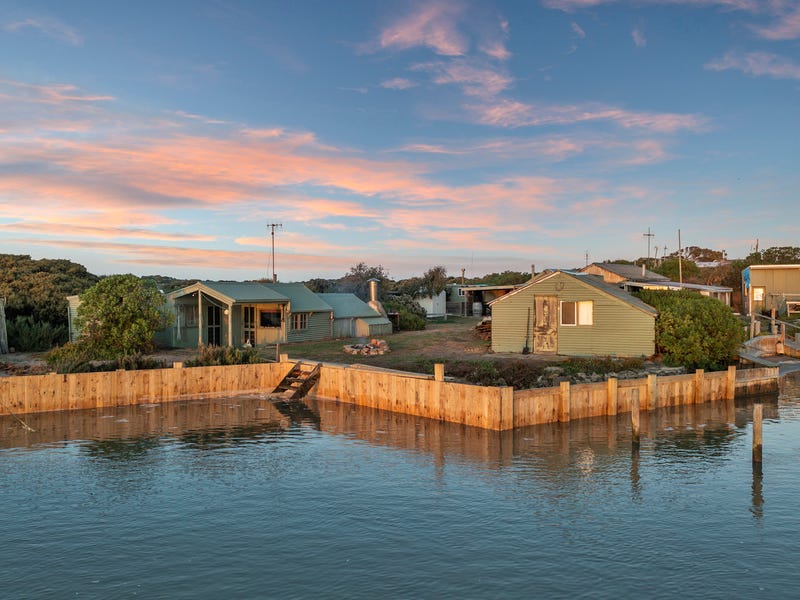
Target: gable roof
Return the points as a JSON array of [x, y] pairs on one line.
[[347, 306], [596, 281], [631, 272], [302, 299], [233, 291], [297, 295]]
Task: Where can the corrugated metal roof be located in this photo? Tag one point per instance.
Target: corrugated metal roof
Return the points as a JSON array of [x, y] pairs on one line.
[[302, 299], [595, 281], [245, 291], [348, 306], [631, 272]]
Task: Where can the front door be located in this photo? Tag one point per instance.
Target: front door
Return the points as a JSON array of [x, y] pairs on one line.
[[249, 325], [214, 328], [545, 329]]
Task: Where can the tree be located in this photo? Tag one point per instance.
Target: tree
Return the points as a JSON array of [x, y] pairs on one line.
[[434, 281], [670, 268], [38, 288], [693, 330], [776, 255], [356, 281], [504, 278], [118, 317]]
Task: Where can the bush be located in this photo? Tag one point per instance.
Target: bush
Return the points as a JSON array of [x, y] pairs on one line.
[[27, 335], [694, 331], [412, 315], [224, 355], [77, 358]]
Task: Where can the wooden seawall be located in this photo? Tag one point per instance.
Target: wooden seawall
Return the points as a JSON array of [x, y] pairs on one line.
[[496, 408]]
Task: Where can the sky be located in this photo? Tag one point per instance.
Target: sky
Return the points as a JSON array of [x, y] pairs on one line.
[[166, 137]]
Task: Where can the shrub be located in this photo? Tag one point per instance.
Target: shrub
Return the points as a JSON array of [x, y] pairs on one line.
[[27, 335], [210, 356], [694, 331], [77, 358], [412, 315]]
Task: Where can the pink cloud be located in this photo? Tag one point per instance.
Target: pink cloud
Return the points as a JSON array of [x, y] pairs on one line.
[[77, 229], [511, 114], [786, 27], [474, 77], [433, 25], [639, 38], [398, 83], [757, 64]]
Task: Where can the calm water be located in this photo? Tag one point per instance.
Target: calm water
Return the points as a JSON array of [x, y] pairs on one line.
[[242, 499]]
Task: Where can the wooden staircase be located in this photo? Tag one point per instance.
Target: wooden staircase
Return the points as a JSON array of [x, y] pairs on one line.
[[299, 380]]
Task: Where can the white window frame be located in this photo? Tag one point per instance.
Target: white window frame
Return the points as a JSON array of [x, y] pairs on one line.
[[299, 321], [583, 310]]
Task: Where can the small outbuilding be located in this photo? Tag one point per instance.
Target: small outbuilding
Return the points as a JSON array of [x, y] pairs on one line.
[[572, 314], [352, 317], [767, 287], [620, 272]]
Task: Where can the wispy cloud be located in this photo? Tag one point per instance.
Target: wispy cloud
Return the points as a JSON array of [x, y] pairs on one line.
[[785, 27], [512, 114], [638, 36], [757, 64], [398, 83], [473, 76], [50, 27], [447, 28], [434, 25], [578, 30]]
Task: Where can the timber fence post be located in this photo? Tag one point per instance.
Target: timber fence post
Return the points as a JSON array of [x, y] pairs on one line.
[[635, 417], [612, 395], [731, 386], [564, 402]]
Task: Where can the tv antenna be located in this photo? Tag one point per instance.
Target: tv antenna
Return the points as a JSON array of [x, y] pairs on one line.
[[272, 227]]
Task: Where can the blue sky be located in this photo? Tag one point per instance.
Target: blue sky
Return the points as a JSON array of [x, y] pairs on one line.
[[164, 137]]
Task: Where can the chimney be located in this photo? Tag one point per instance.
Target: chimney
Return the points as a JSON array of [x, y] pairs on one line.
[[374, 303], [533, 270]]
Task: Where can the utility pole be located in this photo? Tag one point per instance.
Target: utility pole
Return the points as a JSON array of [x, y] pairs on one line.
[[272, 227], [648, 235], [680, 261], [586, 256]]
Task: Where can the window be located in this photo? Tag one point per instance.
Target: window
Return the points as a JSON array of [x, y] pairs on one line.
[[758, 294], [577, 313], [300, 321], [270, 318], [461, 291], [189, 315]]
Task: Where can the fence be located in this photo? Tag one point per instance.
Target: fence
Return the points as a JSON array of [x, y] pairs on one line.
[[497, 408]]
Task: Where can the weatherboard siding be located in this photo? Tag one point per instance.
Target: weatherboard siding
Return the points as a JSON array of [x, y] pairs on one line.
[[618, 328], [319, 328]]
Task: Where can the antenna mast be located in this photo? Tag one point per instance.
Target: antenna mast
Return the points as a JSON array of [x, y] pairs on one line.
[[272, 227]]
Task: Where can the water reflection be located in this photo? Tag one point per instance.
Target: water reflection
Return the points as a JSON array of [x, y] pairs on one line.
[[706, 431]]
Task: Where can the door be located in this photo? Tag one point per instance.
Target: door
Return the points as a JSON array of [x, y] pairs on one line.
[[249, 325], [214, 328], [545, 336]]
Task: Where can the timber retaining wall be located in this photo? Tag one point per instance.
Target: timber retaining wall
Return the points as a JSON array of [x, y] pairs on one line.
[[498, 408]]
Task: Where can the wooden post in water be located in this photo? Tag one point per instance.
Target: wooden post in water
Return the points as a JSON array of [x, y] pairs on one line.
[[758, 415], [635, 417]]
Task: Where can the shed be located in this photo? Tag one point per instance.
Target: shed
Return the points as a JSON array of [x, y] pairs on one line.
[[767, 287], [352, 317], [572, 314]]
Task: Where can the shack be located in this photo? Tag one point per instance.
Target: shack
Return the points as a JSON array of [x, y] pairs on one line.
[[572, 314], [768, 287]]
